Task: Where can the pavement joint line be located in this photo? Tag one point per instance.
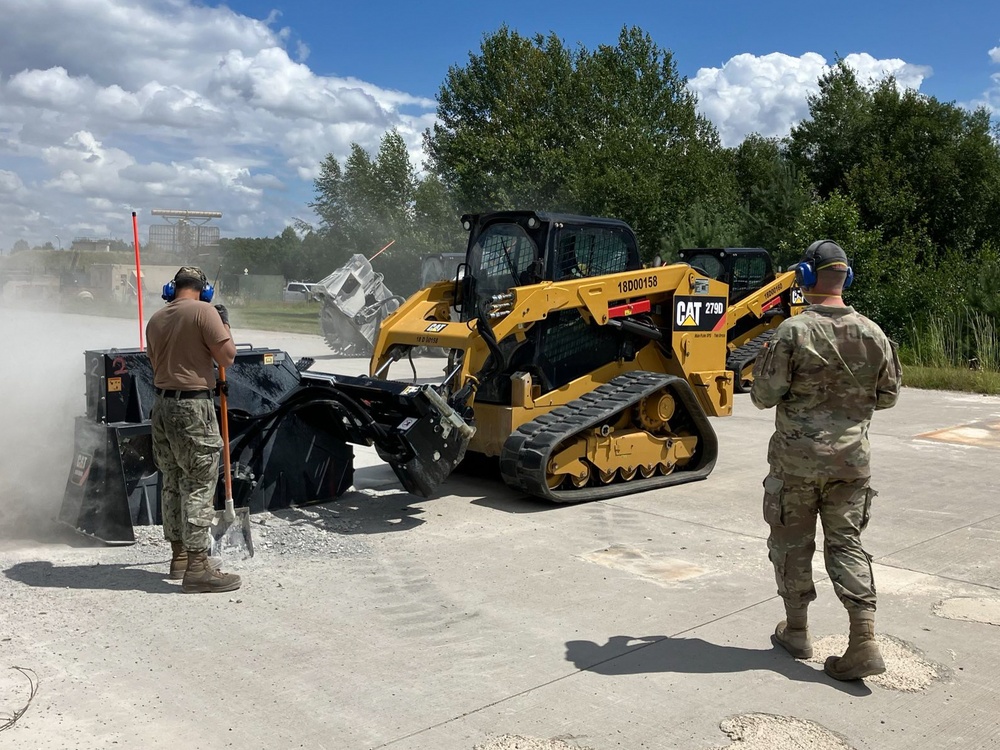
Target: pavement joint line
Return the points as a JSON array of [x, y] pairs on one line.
[[684, 520], [938, 575], [943, 534], [567, 676]]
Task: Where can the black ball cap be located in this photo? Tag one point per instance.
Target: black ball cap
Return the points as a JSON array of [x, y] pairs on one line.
[[826, 254]]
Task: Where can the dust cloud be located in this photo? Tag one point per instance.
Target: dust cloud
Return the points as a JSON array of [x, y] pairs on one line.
[[42, 381]]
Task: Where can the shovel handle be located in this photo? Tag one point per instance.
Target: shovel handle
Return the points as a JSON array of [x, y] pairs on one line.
[[224, 424]]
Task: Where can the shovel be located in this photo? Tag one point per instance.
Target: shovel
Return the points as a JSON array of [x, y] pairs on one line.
[[230, 527]]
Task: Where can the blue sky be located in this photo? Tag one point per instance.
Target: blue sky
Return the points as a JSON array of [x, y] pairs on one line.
[[108, 106], [411, 45]]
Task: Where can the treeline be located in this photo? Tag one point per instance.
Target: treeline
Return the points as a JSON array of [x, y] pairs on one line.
[[909, 185]]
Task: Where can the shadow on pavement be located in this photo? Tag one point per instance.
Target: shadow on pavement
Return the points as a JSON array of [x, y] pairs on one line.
[[114, 577], [27, 533], [623, 654], [517, 503]]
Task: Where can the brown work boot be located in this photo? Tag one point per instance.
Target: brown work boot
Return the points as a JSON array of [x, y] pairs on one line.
[[862, 658], [179, 561], [792, 633], [201, 578]]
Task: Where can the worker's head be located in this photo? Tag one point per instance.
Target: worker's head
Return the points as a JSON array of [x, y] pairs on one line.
[[824, 268], [189, 281]]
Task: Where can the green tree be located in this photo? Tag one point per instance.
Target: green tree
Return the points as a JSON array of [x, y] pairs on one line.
[[895, 284], [772, 193], [905, 159], [699, 226], [530, 123], [329, 204], [371, 202], [502, 125], [838, 219]]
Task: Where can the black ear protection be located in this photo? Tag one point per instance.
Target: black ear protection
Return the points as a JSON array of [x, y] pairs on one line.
[[805, 271], [170, 290]]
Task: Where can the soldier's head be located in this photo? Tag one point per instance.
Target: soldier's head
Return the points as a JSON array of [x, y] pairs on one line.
[[189, 281], [824, 268]]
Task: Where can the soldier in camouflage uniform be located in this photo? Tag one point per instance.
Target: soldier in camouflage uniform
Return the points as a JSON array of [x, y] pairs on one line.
[[182, 340], [827, 370]]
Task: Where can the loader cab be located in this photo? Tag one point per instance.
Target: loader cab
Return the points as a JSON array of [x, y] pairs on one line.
[[743, 269], [519, 248], [503, 253]]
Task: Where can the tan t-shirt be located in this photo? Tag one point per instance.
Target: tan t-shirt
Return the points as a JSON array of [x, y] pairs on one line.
[[177, 341]]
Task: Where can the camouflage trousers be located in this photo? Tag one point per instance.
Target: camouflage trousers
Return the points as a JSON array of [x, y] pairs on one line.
[[791, 505], [186, 449]]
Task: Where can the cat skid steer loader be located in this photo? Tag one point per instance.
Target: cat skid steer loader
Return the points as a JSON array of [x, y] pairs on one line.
[[585, 374], [588, 375]]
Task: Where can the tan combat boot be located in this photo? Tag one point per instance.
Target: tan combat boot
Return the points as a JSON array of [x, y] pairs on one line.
[[793, 633], [202, 578], [862, 658], [179, 561]]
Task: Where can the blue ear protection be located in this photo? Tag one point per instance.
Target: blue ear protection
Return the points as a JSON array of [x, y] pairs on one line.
[[805, 271], [170, 291]]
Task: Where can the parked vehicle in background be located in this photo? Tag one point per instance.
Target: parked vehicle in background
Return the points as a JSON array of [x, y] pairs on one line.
[[297, 291]]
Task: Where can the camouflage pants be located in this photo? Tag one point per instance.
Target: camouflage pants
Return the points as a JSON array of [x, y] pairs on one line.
[[791, 505], [186, 449]]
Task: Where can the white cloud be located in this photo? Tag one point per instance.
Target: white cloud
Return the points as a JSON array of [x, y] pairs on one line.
[[991, 97], [9, 182], [768, 94], [175, 105]]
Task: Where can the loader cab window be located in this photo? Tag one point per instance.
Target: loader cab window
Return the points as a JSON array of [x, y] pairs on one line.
[[750, 273], [581, 252], [709, 265], [501, 258]]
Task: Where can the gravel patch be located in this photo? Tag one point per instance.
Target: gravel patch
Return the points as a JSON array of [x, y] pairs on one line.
[[768, 732], [906, 670], [296, 532]]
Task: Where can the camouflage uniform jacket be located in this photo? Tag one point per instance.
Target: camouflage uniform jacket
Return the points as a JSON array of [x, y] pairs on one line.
[[827, 370]]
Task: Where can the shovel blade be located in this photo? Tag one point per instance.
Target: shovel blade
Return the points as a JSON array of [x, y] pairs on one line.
[[232, 538]]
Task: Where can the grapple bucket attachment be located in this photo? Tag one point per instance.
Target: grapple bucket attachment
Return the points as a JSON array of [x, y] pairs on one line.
[[355, 302]]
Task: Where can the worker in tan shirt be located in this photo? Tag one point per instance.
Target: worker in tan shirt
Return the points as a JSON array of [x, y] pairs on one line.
[[183, 339]]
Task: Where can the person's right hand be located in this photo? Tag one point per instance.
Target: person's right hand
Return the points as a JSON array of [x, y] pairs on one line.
[[223, 313]]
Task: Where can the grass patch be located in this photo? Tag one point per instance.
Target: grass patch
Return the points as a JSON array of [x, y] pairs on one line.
[[952, 379], [294, 317]]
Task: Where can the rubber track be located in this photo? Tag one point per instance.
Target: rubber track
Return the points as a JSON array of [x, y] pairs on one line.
[[739, 358], [527, 452]]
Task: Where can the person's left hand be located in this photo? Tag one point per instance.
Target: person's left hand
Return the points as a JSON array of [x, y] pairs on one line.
[[223, 313]]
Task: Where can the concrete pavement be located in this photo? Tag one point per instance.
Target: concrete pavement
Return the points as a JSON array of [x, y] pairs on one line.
[[479, 617]]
